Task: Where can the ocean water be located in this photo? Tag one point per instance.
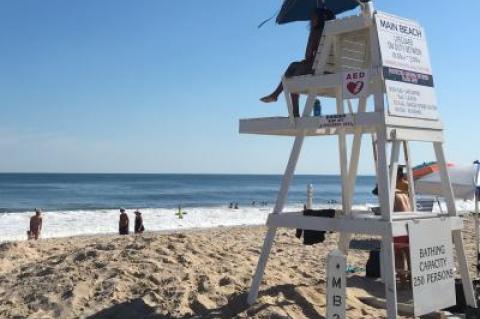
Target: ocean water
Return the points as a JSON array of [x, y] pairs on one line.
[[84, 204], [60, 192]]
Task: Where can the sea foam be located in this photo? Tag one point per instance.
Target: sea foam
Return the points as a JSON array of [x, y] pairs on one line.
[[13, 226]]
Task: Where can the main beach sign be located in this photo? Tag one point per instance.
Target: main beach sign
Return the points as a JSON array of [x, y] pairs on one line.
[[406, 68]]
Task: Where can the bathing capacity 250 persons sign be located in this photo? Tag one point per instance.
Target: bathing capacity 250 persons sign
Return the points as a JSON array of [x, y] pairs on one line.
[[406, 68], [431, 255]]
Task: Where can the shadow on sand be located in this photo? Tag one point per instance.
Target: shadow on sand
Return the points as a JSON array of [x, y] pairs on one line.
[[237, 304]]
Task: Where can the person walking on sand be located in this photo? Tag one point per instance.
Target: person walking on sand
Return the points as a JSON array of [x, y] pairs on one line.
[[35, 225], [138, 223], [123, 222]]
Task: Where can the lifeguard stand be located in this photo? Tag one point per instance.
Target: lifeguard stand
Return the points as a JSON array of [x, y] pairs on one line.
[[352, 45]]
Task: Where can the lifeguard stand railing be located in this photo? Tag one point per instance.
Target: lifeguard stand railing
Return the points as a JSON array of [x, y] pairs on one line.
[[359, 59]]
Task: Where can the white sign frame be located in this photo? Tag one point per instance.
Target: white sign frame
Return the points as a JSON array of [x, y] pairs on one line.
[[432, 265], [403, 44], [406, 68]]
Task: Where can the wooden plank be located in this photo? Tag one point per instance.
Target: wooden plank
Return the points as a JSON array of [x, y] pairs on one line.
[[412, 122], [399, 227], [412, 134], [300, 84], [343, 224], [353, 224], [320, 126]]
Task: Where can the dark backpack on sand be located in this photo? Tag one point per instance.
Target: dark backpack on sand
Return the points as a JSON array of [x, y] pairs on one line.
[[373, 265]]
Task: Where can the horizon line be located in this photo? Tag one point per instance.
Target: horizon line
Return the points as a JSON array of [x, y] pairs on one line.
[[174, 173]]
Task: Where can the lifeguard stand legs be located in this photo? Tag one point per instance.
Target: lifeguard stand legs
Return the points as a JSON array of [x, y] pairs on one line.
[[384, 131], [279, 205], [384, 195]]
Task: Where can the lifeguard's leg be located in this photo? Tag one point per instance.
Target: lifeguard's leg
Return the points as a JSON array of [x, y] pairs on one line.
[[295, 104], [273, 97]]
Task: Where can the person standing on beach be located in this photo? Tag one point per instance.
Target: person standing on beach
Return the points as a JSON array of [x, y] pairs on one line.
[[138, 223], [35, 225], [123, 223]]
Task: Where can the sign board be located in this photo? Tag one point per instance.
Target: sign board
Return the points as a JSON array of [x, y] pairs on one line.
[[336, 285], [406, 68], [432, 267], [356, 84], [336, 121]]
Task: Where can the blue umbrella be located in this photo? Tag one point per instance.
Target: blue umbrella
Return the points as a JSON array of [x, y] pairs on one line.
[[301, 10]]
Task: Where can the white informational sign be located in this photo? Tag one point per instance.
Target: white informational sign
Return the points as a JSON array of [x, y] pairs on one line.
[[409, 100], [432, 267], [355, 84], [406, 68], [336, 284], [403, 44]]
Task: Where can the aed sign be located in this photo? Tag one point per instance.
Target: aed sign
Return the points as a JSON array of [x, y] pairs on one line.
[[432, 267], [336, 284], [406, 68], [355, 84]]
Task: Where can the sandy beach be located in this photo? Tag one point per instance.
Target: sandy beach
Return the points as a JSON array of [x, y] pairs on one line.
[[193, 274]]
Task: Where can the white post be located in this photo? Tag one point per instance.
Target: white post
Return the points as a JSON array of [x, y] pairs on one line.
[[383, 176], [309, 196], [352, 175], [279, 204], [477, 220], [355, 156], [477, 234], [342, 138], [388, 255], [394, 155], [411, 182], [336, 284]]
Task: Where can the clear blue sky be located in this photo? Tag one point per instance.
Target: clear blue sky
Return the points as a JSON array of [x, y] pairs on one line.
[[159, 86]]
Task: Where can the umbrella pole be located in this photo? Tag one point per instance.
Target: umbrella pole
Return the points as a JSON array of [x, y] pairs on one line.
[[477, 233], [477, 220]]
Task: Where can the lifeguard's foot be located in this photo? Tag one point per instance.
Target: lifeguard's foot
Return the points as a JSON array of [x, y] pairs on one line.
[[269, 99]]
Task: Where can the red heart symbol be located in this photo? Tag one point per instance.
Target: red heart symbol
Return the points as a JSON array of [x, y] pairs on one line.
[[355, 87]]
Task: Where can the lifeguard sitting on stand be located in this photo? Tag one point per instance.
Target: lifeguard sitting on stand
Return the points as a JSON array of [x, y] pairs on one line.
[[317, 23]]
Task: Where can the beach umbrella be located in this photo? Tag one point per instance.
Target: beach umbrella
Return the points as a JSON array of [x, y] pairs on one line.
[[462, 178], [300, 10]]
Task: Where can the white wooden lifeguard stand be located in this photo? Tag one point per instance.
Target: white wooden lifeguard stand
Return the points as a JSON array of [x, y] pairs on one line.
[[351, 44]]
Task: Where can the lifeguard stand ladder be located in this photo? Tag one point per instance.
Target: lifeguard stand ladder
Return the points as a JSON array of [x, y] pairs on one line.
[[349, 45]]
